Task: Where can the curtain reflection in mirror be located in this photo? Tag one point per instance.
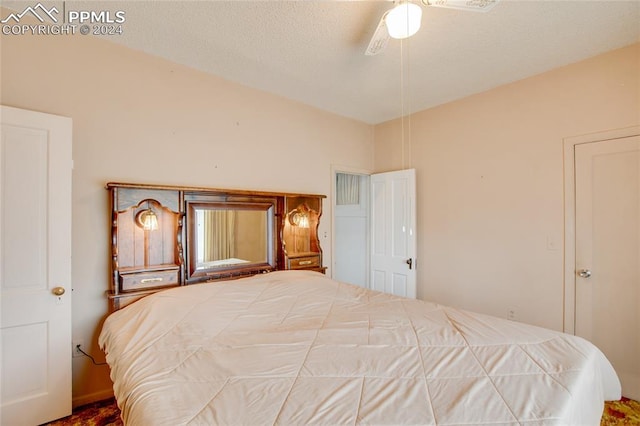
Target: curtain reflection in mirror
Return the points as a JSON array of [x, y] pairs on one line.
[[218, 234], [219, 229]]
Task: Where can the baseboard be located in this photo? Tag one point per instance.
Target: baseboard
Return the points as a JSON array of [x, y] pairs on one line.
[[92, 397]]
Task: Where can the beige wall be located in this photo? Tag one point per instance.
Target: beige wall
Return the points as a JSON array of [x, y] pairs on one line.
[[138, 118], [490, 183]]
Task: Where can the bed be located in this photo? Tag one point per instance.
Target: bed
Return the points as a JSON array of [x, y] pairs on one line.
[[295, 347]]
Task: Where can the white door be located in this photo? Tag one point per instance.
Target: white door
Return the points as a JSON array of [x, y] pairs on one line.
[[393, 232], [35, 259], [351, 224], [607, 311]]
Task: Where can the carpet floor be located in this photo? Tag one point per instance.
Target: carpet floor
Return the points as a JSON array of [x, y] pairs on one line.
[[625, 412]]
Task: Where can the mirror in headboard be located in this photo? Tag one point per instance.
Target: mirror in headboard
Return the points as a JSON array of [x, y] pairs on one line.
[[229, 236]]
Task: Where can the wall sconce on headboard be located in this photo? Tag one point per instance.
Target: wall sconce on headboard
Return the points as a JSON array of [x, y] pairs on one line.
[[303, 221], [299, 217], [147, 219]]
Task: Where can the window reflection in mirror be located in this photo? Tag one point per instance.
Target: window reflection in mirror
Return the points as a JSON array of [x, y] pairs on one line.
[[230, 237]]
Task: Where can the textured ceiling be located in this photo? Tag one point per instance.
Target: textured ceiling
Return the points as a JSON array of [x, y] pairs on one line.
[[313, 51]]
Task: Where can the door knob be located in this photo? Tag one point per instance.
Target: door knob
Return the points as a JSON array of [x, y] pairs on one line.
[[584, 273], [58, 291], [409, 262]]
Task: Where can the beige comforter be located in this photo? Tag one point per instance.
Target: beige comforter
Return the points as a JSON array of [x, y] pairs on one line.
[[295, 347]]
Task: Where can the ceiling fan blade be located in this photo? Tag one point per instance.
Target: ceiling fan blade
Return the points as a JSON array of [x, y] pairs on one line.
[[379, 39], [473, 5]]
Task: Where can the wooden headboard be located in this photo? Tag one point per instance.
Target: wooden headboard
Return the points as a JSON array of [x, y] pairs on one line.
[[168, 236]]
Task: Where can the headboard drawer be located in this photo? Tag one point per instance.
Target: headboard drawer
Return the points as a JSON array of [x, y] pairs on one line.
[[304, 262], [140, 280]]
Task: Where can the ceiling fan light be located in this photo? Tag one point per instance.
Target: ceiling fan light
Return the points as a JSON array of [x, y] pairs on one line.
[[404, 20]]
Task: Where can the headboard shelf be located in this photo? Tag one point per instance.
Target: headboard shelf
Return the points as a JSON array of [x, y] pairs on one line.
[[207, 190], [166, 236]]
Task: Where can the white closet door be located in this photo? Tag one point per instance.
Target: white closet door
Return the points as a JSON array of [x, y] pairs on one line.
[[607, 284], [35, 263]]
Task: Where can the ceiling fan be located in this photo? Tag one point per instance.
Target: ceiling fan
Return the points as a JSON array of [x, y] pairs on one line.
[[403, 20]]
